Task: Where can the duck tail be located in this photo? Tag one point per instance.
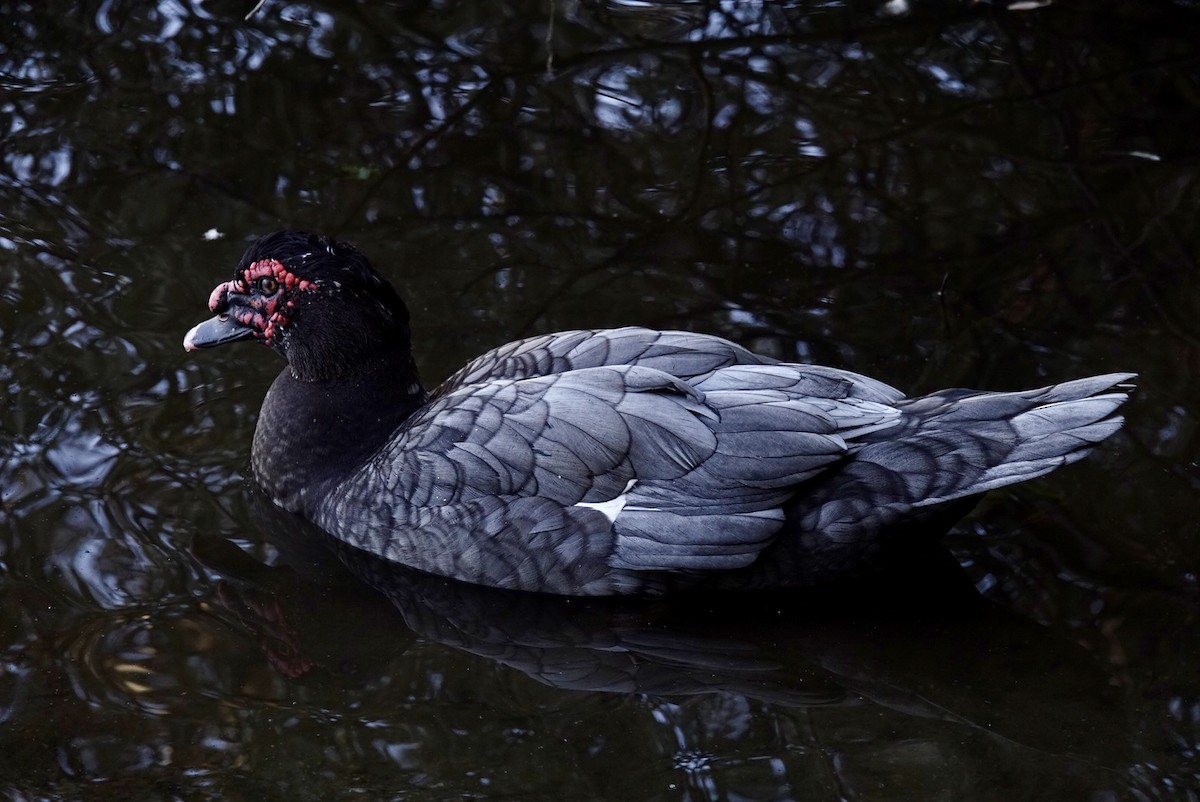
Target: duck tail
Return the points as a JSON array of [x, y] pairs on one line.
[[905, 485], [966, 443]]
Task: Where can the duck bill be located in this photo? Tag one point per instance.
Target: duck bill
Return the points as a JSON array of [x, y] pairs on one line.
[[216, 331]]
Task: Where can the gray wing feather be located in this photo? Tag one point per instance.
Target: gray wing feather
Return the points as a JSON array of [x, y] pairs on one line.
[[812, 381], [722, 514], [682, 354], [709, 473]]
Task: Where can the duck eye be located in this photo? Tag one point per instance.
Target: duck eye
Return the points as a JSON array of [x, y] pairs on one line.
[[267, 285]]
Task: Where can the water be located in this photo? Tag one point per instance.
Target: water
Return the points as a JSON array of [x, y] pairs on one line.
[[960, 194]]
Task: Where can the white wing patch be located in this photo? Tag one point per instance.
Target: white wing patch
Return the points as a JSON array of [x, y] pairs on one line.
[[611, 508]]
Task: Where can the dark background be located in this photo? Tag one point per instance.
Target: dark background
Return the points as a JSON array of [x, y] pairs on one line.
[[959, 194]]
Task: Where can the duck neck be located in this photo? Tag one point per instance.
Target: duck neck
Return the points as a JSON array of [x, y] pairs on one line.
[[312, 434]]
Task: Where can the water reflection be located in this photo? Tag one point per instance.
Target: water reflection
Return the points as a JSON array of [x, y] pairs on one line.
[[949, 674]]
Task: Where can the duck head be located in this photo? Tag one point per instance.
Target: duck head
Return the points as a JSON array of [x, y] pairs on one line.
[[316, 301]]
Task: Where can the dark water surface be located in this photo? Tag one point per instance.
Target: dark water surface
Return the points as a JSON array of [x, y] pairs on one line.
[[958, 194]]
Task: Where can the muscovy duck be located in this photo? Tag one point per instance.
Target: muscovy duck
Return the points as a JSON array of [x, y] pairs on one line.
[[611, 461]]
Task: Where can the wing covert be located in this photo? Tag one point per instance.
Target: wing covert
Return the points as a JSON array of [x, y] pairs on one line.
[[656, 473]]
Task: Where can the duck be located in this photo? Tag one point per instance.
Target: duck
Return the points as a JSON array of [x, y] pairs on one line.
[[604, 462]]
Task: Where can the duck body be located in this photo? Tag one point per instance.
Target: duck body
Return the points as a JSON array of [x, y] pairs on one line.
[[601, 462]]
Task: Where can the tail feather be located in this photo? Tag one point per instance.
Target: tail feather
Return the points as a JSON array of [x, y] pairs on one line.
[[1064, 416], [1056, 450], [909, 481], [973, 442], [1085, 388], [1040, 430]]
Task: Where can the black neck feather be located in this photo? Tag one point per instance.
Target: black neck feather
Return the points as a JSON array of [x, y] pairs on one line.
[[312, 434]]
